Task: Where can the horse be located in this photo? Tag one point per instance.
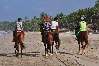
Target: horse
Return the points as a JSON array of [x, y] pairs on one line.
[[56, 39], [48, 42], [19, 37], [81, 38]]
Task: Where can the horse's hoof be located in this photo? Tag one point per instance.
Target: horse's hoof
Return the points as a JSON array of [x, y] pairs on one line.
[[80, 53], [15, 46], [46, 55], [51, 54], [17, 55]]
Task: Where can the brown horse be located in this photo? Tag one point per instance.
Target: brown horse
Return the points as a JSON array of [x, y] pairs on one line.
[[48, 42], [56, 38], [83, 37], [19, 37]]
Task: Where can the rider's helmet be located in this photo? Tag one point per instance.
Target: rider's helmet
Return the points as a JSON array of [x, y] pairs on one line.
[[19, 19], [82, 17], [55, 19]]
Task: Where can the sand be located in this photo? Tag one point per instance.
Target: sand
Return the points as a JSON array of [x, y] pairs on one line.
[[33, 54]]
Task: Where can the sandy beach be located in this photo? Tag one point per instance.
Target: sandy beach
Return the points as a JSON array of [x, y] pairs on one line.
[[33, 54]]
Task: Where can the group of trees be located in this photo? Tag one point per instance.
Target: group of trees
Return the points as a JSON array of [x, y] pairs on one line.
[[66, 21]]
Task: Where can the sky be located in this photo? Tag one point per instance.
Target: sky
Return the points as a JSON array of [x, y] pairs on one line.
[[12, 9]]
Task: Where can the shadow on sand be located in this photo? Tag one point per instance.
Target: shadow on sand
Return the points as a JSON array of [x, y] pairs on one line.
[[32, 54]]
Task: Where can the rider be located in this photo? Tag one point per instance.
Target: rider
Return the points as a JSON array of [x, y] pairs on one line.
[[83, 30], [55, 30], [46, 26], [47, 23], [18, 29]]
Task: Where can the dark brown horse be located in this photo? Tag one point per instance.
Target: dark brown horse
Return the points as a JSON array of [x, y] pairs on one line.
[[48, 42], [19, 37]]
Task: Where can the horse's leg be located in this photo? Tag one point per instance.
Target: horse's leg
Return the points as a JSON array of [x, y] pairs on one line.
[[46, 50], [79, 45], [45, 44], [84, 47], [21, 40], [17, 49], [86, 41], [21, 50], [49, 47], [51, 43], [21, 53], [57, 40], [58, 44], [81, 50], [52, 47]]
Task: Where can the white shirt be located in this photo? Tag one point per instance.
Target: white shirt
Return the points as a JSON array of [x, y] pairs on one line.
[[54, 25], [19, 25]]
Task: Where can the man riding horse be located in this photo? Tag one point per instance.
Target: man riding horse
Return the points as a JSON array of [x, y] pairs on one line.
[[45, 26], [18, 33], [47, 37], [55, 31], [82, 35], [53, 26]]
